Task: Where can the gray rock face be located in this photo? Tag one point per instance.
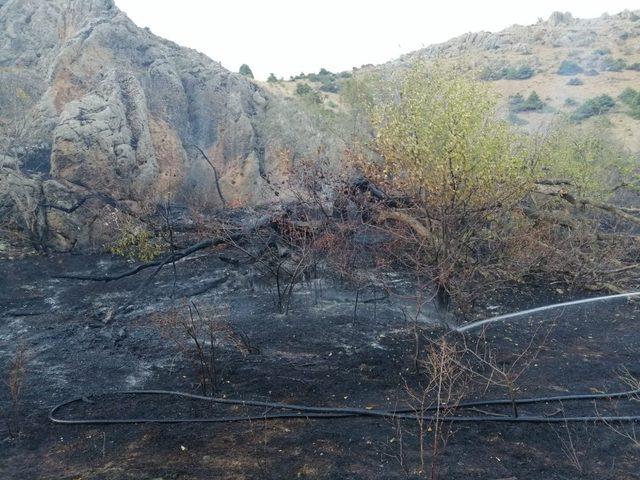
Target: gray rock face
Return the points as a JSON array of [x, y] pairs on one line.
[[103, 143], [110, 108]]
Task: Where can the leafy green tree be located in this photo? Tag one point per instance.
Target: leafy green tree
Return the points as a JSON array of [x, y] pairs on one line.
[[586, 157], [470, 184], [245, 70], [442, 145], [442, 137]]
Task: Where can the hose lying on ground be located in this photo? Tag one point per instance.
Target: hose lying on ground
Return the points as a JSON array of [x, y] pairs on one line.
[[308, 412]]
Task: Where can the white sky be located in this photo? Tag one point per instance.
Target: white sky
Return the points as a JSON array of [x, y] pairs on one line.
[[288, 36]]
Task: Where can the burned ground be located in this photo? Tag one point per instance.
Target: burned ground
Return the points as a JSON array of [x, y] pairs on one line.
[[84, 338]]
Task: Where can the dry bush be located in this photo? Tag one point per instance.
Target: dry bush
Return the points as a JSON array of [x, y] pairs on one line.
[[200, 335], [443, 384], [629, 431], [15, 381]]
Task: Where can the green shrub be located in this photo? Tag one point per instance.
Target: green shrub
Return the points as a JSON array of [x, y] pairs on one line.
[[594, 106], [575, 81], [631, 98], [501, 71], [137, 245], [245, 70], [569, 67], [610, 64], [303, 89], [518, 73], [272, 78], [331, 86], [570, 102], [602, 51], [634, 66]]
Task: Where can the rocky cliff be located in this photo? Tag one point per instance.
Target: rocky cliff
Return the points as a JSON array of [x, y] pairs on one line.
[[100, 119]]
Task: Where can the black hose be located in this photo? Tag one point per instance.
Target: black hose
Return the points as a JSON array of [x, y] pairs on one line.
[[309, 412]]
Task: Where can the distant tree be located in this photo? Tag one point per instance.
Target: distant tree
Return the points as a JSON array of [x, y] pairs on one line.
[[569, 67], [575, 81], [517, 103], [272, 78], [245, 70]]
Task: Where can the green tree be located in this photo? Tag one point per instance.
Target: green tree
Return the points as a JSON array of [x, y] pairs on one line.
[[245, 70], [442, 144], [586, 157], [272, 78]]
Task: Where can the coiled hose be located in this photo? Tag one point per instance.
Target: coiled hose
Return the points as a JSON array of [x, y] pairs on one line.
[[310, 412]]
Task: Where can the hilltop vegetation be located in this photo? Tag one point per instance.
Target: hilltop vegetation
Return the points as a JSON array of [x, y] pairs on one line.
[[600, 56]]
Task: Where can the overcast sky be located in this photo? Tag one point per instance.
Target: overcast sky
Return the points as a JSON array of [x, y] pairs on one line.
[[288, 36]]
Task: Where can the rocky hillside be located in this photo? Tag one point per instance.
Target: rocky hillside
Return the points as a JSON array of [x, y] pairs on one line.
[[101, 119], [565, 60]]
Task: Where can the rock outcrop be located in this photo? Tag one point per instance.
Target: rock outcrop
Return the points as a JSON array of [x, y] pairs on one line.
[[111, 111]]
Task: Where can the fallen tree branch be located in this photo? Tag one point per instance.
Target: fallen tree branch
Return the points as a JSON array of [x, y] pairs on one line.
[[583, 202], [406, 219], [215, 175], [548, 217], [174, 257], [156, 263]]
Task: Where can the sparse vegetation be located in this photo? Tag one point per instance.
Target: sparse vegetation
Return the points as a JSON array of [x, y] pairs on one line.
[[200, 336], [575, 81], [272, 78]]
